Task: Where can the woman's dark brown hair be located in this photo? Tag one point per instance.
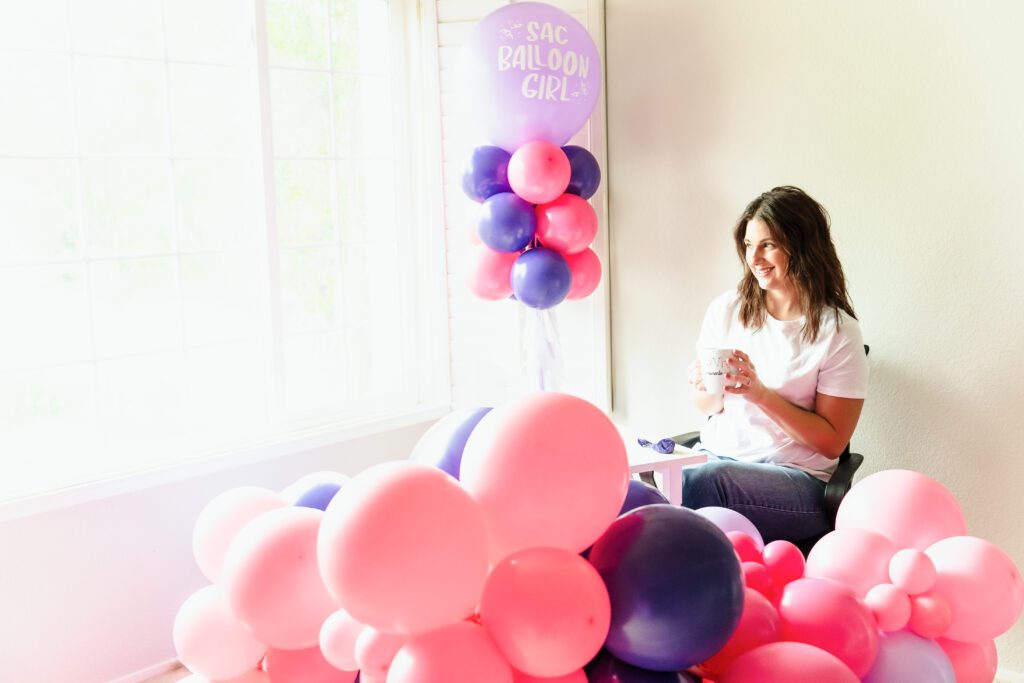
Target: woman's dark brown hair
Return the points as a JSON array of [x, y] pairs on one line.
[[800, 227]]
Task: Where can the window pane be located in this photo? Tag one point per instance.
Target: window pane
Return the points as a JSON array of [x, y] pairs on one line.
[[221, 36], [38, 209], [41, 123], [357, 28], [371, 284], [40, 24], [127, 206], [303, 202], [215, 207], [141, 397], [135, 305], [47, 398], [362, 119], [128, 28], [209, 111], [309, 282], [302, 118], [227, 387], [296, 32], [366, 200], [122, 107], [221, 297]]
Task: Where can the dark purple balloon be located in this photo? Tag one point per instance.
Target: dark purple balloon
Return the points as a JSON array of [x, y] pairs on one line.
[[444, 442], [318, 496], [486, 173], [507, 222], [675, 586], [541, 278], [585, 173], [607, 669], [639, 494]]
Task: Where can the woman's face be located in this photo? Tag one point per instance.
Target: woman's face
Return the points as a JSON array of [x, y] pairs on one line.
[[766, 259]]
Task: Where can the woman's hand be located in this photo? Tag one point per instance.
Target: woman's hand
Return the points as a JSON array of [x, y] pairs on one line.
[[696, 379], [743, 379]]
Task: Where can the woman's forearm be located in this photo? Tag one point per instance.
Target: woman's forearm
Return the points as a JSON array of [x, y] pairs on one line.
[[804, 426]]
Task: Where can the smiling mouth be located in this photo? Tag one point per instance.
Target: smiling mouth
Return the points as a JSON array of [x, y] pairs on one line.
[[763, 272]]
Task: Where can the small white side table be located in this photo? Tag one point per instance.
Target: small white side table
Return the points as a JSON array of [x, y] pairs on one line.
[[668, 465]]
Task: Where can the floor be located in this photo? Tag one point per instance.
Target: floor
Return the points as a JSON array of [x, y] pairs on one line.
[[170, 676]]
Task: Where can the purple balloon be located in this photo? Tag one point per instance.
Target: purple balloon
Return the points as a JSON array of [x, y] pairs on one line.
[[639, 494], [541, 278], [675, 586], [729, 520], [507, 222], [318, 496], [486, 173], [585, 173], [903, 656], [532, 72], [442, 445], [605, 668]]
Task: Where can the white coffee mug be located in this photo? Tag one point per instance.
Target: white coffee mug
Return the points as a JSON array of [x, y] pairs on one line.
[[714, 366]]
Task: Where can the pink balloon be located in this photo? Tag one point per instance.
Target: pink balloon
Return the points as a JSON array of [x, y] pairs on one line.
[[745, 547], [547, 469], [854, 557], [547, 610], [403, 549], [338, 637], [539, 172], [909, 508], [890, 605], [972, 662], [981, 584], [209, 639], [756, 576], [491, 274], [828, 615], [575, 677], [272, 580], [222, 518], [930, 615], [458, 653], [759, 625], [585, 267], [784, 562], [567, 224], [788, 663], [912, 570], [375, 650], [303, 666]]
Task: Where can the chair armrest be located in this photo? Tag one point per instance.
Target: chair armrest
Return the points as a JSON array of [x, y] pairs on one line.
[[687, 440], [840, 483]]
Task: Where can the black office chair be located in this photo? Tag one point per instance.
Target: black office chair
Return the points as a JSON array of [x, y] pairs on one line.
[[835, 490]]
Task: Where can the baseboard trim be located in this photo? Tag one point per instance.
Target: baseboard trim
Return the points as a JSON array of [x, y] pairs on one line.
[[149, 672]]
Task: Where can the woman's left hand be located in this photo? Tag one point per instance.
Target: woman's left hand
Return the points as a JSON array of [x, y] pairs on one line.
[[742, 378]]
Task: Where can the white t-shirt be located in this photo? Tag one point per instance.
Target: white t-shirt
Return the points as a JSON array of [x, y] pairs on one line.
[[835, 364]]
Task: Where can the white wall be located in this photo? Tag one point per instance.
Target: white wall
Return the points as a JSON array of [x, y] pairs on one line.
[[904, 120], [88, 593]]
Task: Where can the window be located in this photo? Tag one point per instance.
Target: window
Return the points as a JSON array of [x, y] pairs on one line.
[[212, 229]]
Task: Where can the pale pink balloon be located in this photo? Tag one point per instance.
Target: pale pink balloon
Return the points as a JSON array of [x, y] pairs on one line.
[[585, 267], [912, 570], [854, 557], [575, 677], [788, 663], [930, 615], [273, 581], [547, 610], [547, 469], [490, 276], [972, 662], [568, 224], [338, 637], [759, 625], [982, 585], [890, 605], [828, 615], [909, 508], [210, 641], [375, 650], [784, 562], [457, 653], [539, 171], [403, 548], [222, 518], [304, 666]]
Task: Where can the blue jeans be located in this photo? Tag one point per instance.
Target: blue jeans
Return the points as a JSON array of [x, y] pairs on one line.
[[782, 502]]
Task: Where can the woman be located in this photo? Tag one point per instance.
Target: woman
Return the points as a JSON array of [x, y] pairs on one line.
[[798, 375]]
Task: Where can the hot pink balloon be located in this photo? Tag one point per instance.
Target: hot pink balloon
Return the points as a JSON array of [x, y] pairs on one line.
[[756, 576], [490, 275], [575, 677], [759, 625], [585, 267], [375, 650], [788, 663], [458, 653], [539, 172], [982, 585], [784, 562], [303, 666], [854, 557], [930, 615], [745, 547], [547, 610], [272, 580], [567, 224], [972, 662], [829, 616], [890, 605], [402, 548], [547, 469], [222, 518], [912, 570], [210, 641], [909, 508], [338, 637]]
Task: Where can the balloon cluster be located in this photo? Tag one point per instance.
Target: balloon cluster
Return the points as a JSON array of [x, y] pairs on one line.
[[533, 76]]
